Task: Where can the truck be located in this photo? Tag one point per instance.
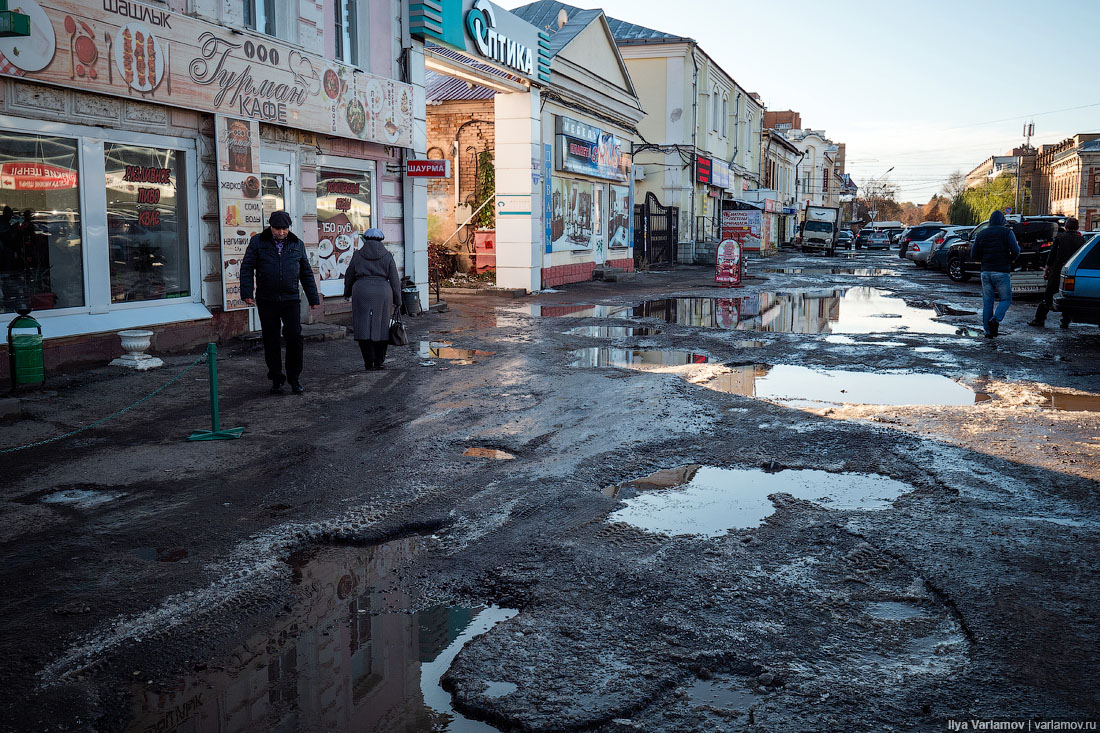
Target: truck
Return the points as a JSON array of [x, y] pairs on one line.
[[819, 229]]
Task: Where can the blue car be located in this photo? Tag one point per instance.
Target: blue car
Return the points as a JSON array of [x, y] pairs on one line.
[[1079, 298]]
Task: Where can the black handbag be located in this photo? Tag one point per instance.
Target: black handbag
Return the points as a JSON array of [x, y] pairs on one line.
[[398, 337]]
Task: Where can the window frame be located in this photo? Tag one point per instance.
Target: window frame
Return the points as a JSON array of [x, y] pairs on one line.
[[99, 313], [346, 18]]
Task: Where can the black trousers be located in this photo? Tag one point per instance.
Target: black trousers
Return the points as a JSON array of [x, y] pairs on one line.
[[1053, 286], [285, 314], [374, 352]]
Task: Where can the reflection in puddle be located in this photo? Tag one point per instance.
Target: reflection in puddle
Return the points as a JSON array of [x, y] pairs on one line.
[[803, 387], [493, 453], [443, 350], [572, 311], [860, 271], [81, 498], [611, 332], [852, 310], [717, 499], [633, 358], [344, 658], [1073, 402], [894, 611]]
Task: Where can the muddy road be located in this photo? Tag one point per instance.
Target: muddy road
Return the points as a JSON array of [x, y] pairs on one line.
[[819, 502]]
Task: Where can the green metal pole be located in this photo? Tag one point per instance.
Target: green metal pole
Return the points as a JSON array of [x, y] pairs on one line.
[[215, 432]]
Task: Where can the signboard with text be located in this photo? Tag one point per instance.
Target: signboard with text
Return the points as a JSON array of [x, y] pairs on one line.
[[743, 226], [128, 49], [428, 169], [728, 264], [590, 151], [240, 208]]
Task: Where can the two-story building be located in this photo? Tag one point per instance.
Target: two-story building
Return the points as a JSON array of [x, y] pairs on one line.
[[1069, 173], [145, 143]]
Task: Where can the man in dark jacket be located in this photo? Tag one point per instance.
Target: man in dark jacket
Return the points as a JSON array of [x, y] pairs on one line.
[[276, 260], [995, 248], [1065, 246]]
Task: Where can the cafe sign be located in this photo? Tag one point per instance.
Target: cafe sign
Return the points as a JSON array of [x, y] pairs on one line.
[[128, 49]]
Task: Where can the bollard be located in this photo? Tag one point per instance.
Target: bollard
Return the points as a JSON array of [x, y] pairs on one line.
[[215, 432]]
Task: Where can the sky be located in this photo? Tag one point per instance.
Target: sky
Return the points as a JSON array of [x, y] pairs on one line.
[[926, 88]]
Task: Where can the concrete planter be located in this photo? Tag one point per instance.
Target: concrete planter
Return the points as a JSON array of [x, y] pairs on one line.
[[135, 342]]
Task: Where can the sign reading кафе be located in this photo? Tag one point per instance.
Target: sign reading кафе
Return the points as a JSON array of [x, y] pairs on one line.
[[590, 151], [133, 50]]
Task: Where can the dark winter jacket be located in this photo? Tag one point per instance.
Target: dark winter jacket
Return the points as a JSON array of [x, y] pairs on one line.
[[1065, 246], [995, 247], [277, 276]]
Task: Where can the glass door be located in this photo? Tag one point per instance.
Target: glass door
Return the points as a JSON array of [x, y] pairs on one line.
[[275, 194]]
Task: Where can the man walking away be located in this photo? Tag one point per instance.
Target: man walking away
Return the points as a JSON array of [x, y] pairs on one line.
[[996, 249], [276, 260], [1065, 246]]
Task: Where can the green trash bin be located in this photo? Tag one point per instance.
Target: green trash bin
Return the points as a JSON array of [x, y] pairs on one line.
[[25, 360]]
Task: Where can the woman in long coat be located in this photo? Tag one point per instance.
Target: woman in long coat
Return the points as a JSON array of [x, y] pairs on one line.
[[374, 287]]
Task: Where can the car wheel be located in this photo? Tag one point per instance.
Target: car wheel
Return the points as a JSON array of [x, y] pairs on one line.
[[955, 270], [1065, 320]]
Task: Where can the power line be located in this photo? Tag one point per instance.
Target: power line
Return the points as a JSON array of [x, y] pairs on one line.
[[1024, 117]]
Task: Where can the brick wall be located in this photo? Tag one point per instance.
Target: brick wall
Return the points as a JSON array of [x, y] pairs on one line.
[[444, 123]]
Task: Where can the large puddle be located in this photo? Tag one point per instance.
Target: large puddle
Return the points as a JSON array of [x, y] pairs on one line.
[[604, 356], [1073, 402], [346, 657], [847, 311], [798, 386], [715, 500], [611, 332], [857, 271]]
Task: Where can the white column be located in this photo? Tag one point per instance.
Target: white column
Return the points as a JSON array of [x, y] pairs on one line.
[[519, 225], [414, 191]]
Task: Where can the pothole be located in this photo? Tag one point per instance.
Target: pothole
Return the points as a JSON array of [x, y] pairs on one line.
[[715, 500], [443, 350], [850, 311], [894, 611], [722, 694], [81, 498], [612, 332], [345, 656], [1071, 402], [605, 356], [491, 453], [797, 386]]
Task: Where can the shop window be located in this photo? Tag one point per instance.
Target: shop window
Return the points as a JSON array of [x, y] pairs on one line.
[[347, 31], [42, 262], [343, 213], [146, 223]]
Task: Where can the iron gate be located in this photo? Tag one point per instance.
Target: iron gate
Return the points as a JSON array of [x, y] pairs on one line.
[[656, 232]]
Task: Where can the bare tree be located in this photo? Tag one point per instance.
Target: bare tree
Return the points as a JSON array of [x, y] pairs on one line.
[[954, 185]]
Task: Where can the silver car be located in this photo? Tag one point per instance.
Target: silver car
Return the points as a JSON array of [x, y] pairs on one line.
[[923, 240]]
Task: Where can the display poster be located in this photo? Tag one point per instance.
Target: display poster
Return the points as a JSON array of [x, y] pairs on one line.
[[728, 264], [592, 152], [574, 218], [619, 219], [129, 49], [241, 214], [343, 213], [548, 196], [743, 226], [720, 174]]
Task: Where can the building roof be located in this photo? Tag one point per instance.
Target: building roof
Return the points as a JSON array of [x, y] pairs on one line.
[[544, 15]]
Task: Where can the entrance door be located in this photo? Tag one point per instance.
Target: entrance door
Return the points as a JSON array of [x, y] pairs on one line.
[[275, 192], [656, 232]]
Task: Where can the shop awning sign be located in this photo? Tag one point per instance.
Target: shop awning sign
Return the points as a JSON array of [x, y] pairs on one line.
[[428, 169]]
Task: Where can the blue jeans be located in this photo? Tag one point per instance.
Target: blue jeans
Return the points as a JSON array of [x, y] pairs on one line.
[[1001, 284]]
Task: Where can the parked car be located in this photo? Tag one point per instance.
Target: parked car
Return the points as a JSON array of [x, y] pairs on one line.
[[937, 260], [920, 240], [878, 239], [1034, 234], [861, 238], [845, 238], [894, 233], [1078, 298]]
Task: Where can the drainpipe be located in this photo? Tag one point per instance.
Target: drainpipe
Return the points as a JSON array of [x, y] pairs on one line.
[[694, 140], [798, 181], [736, 129]]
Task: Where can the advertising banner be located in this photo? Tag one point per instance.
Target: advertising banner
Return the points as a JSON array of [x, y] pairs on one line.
[[241, 214], [590, 151], [574, 215], [728, 264], [720, 173], [127, 49], [744, 227], [619, 219], [548, 196]]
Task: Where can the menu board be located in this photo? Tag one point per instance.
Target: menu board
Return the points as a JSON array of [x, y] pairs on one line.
[[241, 214], [343, 213], [129, 49]]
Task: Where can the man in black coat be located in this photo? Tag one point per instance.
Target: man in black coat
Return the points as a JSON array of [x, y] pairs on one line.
[[996, 249], [276, 260], [1065, 246]]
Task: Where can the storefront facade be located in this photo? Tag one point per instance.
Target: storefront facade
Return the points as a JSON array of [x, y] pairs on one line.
[[143, 148]]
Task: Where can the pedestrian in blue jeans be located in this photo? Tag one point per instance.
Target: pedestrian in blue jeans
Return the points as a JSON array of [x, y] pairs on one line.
[[996, 249]]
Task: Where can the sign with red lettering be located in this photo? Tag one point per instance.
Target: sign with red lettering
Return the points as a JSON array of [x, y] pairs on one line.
[[728, 264], [702, 169], [428, 169], [34, 176]]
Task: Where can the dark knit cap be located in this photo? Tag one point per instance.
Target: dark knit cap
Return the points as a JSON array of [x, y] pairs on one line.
[[280, 220]]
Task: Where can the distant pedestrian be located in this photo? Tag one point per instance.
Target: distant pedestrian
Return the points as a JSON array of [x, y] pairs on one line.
[[372, 283], [276, 260], [996, 249], [1065, 246]]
